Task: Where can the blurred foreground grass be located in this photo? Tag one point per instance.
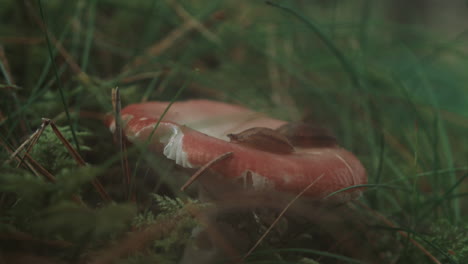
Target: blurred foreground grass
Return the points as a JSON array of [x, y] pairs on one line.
[[392, 88]]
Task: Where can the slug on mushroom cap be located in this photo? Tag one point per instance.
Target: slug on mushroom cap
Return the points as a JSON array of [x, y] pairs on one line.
[[194, 132]]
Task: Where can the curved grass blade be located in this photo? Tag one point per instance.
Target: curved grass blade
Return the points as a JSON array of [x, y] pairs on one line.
[[366, 185], [346, 64], [447, 196]]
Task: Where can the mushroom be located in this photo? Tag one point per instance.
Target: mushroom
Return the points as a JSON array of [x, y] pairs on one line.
[[267, 153]]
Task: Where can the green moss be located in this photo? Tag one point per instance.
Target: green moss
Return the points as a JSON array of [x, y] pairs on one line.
[[452, 241], [51, 153], [171, 247]]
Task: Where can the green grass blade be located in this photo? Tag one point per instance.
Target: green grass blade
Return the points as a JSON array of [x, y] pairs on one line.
[[347, 65], [89, 36], [144, 147], [59, 83]]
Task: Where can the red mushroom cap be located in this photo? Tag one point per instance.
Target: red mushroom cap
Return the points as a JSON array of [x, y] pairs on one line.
[[195, 132]]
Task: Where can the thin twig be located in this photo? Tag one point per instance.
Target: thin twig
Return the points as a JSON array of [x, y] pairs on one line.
[[22, 146], [280, 216], [200, 171], [28, 165], [37, 136], [49, 176], [38, 170], [77, 157]]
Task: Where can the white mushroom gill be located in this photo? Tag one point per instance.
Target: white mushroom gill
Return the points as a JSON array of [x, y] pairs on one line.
[[173, 148], [171, 136]]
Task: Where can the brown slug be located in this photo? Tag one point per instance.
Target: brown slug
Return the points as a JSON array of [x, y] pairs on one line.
[[263, 138], [306, 135]]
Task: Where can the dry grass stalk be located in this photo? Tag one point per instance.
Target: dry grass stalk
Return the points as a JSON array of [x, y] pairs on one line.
[[117, 106]]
